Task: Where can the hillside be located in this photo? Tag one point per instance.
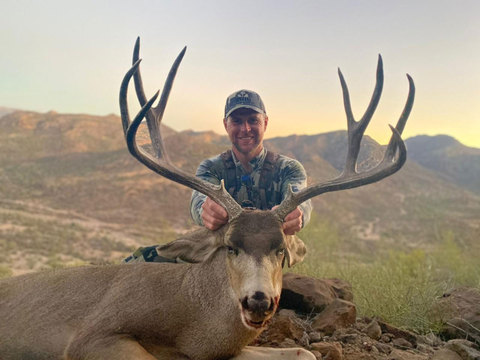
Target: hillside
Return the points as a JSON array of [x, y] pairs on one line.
[[5, 110], [449, 158], [70, 192], [410, 209]]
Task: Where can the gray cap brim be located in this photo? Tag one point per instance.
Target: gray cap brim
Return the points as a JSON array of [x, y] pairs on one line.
[[242, 106]]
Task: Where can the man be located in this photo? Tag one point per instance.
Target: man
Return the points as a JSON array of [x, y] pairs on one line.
[[254, 176]]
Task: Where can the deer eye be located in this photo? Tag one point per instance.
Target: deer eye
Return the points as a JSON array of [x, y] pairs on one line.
[[232, 251]]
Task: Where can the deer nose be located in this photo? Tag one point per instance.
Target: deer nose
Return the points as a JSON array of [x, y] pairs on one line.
[[258, 303]]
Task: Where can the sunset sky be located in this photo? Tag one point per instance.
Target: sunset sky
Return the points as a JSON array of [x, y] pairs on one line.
[[70, 56]]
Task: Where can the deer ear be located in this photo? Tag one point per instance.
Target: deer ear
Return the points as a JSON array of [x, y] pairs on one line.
[[194, 247], [296, 249]]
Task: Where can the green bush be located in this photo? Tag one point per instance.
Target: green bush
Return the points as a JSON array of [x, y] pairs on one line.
[[401, 287], [456, 264], [5, 272]]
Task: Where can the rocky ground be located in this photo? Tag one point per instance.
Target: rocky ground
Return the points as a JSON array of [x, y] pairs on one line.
[[320, 315]]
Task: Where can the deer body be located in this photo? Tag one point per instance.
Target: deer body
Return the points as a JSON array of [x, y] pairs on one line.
[[74, 309], [206, 310]]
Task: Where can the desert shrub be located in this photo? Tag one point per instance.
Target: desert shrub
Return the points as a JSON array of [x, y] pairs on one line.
[[455, 263], [5, 271], [401, 287], [321, 237]]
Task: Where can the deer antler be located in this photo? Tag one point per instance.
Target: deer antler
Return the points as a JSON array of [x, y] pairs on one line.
[[161, 164], [349, 177]]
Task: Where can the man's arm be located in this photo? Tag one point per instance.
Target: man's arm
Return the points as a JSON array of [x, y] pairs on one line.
[[196, 210], [205, 211], [293, 173]]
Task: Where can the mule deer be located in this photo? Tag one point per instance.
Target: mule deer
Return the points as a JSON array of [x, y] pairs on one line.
[[211, 308]]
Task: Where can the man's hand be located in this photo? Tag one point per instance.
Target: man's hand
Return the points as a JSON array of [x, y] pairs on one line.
[[293, 221], [213, 215]]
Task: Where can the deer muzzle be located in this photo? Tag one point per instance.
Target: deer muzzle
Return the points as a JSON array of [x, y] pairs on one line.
[[258, 309]]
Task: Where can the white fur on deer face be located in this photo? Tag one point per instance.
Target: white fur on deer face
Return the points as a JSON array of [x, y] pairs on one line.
[[256, 250]]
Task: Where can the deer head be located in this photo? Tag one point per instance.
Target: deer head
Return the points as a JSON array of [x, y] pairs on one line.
[[252, 243]]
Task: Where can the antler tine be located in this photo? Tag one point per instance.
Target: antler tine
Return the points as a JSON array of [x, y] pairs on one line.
[[137, 77], [390, 152], [123, 97], [155, 115], [153, 126], [357, 129], [349, 177], [161, 164]]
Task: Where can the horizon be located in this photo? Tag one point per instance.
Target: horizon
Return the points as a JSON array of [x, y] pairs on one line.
[[223, 133], [70, 57]]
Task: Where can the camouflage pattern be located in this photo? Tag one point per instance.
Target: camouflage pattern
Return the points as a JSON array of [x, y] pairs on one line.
[[286, 172]]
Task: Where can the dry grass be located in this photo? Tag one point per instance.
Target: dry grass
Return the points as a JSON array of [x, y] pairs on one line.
[[401, 287]]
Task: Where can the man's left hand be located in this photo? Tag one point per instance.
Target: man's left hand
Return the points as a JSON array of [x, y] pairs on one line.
[[293, 221]]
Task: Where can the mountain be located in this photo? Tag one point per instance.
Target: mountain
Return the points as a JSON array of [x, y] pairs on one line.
[[70, 192], [447, 157], [4, 111], [414, 207]]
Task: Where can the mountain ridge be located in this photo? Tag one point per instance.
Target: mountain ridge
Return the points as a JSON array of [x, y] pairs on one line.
[[101, 203], [448, 157], [6, 110]]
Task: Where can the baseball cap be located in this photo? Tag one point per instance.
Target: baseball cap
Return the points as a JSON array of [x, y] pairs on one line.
[[244, 99]]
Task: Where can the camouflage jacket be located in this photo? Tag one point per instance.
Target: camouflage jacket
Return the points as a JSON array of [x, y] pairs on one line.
[[244, 187]]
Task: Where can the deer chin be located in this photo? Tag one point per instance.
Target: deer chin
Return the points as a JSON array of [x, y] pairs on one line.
[[254, 322]]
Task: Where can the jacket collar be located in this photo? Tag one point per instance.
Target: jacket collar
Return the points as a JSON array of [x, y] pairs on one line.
[[256, 162]]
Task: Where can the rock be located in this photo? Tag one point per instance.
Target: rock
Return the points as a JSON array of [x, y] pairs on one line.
[[368, 346], [309, 295], [373, 348], [373, 330], [383, 348], [317, 354], [424, 348], [305, 340], [347, 338], [329, 351], [342, 288], [464, 348], [430, 339], [445, 354], [339, 314], [315, 336], [284, 325], [459, 309], [288, 313], [287, 343], [397, 354], [402, 343], [398, 333], [386, 338]]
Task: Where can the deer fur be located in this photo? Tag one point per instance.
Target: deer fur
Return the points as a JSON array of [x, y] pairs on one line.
[[149, 310]]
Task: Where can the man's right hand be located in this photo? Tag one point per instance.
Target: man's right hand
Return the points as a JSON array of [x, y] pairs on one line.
[[213, 215]]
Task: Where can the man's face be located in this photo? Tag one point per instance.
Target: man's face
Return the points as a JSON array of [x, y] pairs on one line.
[[246, 128]]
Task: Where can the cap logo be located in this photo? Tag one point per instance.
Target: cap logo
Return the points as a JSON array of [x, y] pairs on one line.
[[242, 94]]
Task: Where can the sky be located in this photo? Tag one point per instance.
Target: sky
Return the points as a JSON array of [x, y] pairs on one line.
[[70, 57]]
